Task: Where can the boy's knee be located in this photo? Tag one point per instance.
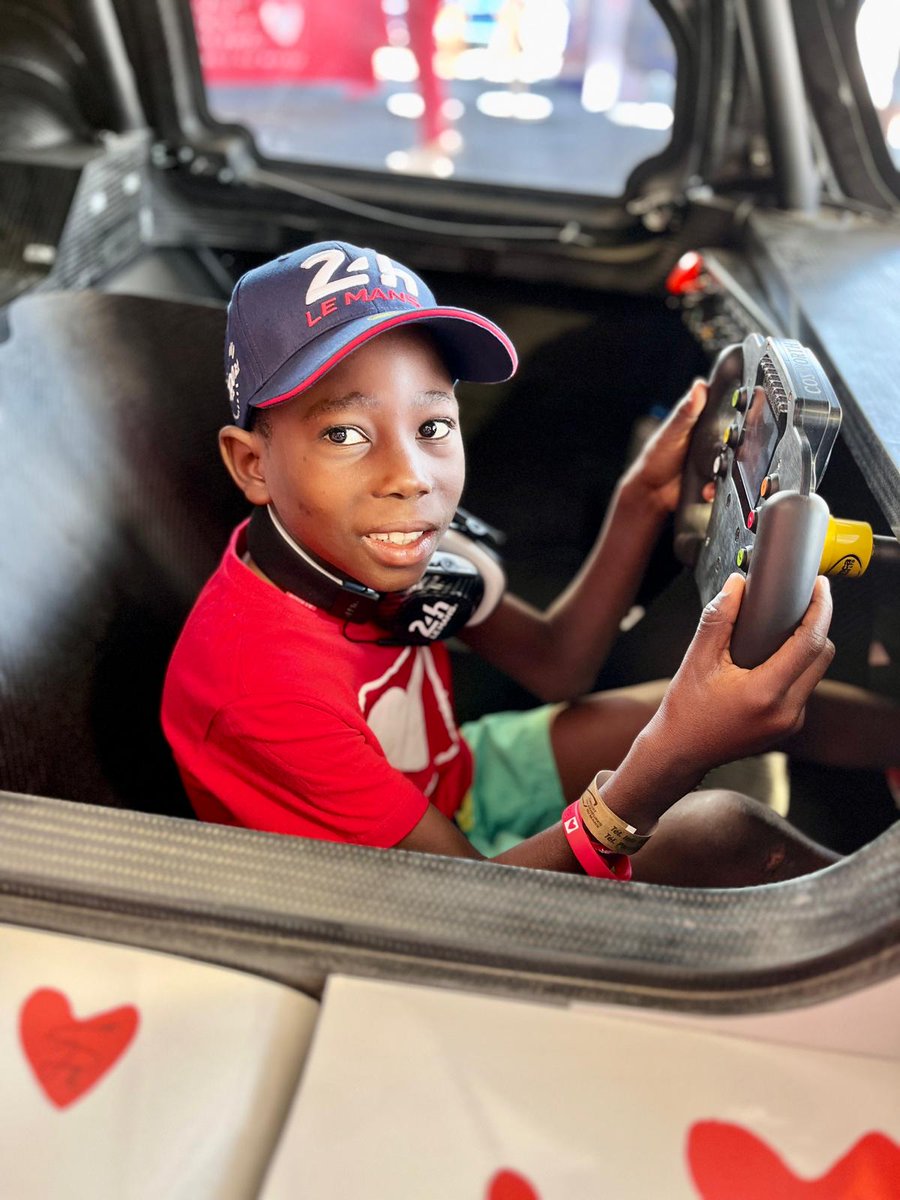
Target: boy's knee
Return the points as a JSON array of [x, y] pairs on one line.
[[721, 812], [720, 838], [699, 809], [722, 823]]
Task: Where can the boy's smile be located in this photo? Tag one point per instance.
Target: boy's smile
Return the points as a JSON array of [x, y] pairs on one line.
[[365, 469]]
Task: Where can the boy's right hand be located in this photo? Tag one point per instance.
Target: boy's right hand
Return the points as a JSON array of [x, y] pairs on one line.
[[715, 711]]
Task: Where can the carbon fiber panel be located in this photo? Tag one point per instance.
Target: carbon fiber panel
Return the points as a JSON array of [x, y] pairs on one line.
[[72, 214], [295, 910]]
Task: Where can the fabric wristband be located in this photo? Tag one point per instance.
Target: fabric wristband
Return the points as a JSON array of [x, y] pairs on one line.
[[611, 831], [588, 853]]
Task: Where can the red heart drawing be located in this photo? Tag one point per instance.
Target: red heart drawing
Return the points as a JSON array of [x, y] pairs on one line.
[[728, 1162], [510, 1185], [69, 1056]]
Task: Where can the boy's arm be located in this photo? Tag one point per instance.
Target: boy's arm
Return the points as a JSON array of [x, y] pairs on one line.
[[556, 654], [713, 712], [435, 834]]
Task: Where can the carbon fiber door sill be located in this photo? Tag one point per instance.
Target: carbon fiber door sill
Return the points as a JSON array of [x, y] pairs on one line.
[[295, 911]]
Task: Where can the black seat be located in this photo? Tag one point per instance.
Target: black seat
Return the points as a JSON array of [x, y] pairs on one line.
[[116, 509]]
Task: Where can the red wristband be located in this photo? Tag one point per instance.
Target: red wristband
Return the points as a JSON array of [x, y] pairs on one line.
[[594, 862]]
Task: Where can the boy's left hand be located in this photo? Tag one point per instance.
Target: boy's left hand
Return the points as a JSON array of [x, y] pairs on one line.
[[658, 468]]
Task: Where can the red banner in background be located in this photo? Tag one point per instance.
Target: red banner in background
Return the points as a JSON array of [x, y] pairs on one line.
[[286, 41]]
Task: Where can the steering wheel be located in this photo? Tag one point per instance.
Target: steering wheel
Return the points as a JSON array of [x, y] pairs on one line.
[[763, 439]]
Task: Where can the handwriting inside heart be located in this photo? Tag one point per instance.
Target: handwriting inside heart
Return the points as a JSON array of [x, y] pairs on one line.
[[67, 1055], [510, 1185], [728, 1162]]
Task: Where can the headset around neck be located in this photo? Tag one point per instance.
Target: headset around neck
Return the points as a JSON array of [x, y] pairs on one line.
[[461, 586]]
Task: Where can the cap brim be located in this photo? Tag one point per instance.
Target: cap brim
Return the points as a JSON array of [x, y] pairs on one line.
[[475, 350]]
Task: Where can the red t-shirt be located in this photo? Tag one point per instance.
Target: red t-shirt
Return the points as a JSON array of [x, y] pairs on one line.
[[279, 722]]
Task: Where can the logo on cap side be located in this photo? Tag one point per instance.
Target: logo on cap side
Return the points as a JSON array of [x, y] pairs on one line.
[[231, 382]]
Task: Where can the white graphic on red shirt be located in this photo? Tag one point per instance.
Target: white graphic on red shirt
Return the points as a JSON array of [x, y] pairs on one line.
[[409, 711]]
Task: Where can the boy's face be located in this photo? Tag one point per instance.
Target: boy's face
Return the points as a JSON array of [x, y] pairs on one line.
[[366, 468]]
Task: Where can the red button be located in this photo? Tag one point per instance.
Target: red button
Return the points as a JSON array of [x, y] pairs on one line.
[[684, 276], [751, 519]]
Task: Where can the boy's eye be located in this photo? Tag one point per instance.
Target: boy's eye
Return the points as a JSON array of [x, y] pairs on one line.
[[344, 435], [436, 430]]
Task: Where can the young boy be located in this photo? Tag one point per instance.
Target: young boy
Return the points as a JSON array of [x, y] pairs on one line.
[[287, 713]]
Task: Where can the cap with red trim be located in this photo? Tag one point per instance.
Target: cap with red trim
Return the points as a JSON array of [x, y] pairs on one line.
[[291, 320]]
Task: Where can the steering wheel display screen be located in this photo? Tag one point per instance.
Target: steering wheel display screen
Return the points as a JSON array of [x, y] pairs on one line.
[[758, 444]]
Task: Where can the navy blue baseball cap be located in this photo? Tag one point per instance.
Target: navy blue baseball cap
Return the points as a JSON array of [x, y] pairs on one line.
[[293, 319]]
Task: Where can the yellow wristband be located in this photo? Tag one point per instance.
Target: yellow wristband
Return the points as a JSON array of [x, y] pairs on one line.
[[611, 831]]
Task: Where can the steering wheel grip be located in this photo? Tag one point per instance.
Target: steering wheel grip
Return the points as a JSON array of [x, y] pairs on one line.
[[693, 512]]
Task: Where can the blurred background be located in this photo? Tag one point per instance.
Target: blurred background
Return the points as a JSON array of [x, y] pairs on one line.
[[545, 94]]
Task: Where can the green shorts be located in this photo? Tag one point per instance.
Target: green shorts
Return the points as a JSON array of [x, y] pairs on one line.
[[516, 790]]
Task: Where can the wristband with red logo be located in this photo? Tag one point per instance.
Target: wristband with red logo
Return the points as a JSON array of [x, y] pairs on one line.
[[593, 859]]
